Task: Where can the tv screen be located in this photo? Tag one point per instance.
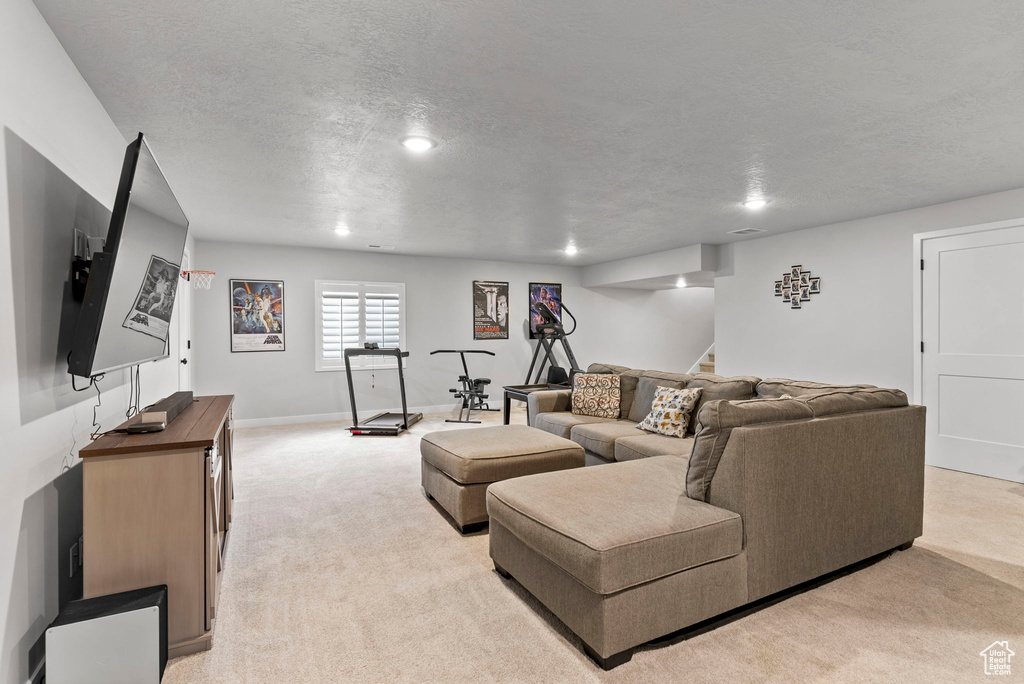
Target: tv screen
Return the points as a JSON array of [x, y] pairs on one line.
[[129, 298]]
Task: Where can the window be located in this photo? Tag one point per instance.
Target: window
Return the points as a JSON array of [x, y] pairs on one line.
[[352, 314]]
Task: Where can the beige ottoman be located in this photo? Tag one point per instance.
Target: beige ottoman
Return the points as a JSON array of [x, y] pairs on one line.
[[457, 465]]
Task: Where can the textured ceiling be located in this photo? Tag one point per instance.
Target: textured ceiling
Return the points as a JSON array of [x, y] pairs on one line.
[[626, 127]]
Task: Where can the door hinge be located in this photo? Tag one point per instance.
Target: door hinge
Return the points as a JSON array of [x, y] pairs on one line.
[[922, 264], [922, 347]]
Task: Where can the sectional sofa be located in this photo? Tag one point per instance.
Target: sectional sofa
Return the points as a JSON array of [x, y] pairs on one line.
[[782, 482]]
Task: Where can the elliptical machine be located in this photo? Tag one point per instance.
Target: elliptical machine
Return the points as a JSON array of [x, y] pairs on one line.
[[550, 329], [473, 390]]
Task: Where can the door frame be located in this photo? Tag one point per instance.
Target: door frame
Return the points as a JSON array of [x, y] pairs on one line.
[[186, 260], [919, 240]]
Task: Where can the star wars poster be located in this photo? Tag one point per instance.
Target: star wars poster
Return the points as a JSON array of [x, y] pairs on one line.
[[490, 310], [257, 315], [549, 294], [151, 312]]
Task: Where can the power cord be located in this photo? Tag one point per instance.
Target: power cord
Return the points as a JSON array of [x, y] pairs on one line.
[[134, 391], [93, 382], [96, 434], [130, 411], [65, 464]]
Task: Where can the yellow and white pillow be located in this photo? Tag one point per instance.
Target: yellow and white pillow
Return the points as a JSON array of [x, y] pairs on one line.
[[670, 411]]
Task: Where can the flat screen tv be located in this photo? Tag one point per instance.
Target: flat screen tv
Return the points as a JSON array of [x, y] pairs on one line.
[[129, 298]]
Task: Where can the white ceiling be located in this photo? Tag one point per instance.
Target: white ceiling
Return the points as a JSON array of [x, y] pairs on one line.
[[627, 127]]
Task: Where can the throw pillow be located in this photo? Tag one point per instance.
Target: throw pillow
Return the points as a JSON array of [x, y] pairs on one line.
[[596, 395], [670, 411]]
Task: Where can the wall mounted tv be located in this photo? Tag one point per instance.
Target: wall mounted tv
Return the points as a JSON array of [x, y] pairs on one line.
[[129, 298]]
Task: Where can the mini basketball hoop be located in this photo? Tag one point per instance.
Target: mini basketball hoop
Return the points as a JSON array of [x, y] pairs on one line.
[[199, 279]]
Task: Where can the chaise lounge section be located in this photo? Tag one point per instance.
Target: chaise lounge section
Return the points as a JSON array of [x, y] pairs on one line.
[[774, 492]]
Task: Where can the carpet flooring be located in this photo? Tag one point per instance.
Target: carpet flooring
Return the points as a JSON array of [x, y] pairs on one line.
[[339, 570]]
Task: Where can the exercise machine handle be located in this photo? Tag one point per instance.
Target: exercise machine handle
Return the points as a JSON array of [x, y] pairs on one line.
[[462, 351]]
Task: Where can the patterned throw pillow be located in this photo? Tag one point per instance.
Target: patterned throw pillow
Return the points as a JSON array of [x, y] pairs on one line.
[[596, 394], [670, 411]]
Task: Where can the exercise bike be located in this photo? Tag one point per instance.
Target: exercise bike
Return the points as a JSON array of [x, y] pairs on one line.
[[472, 391]]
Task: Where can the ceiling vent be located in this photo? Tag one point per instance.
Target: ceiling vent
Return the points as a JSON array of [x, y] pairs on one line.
[[746, 231], [381, 246]]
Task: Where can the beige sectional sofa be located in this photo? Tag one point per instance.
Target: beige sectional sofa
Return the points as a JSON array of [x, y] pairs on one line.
[[769, 493], [611, 439]]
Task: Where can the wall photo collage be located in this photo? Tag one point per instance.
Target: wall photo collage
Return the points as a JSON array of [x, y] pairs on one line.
[[797, 286]]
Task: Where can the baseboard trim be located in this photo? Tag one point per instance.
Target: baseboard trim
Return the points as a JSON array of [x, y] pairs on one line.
[[329, 417]]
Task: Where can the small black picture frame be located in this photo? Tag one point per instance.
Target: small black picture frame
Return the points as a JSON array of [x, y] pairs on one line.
[[804, 277], [814, 285], [794, 302], [805, 295], [778, 288], [794, 272]]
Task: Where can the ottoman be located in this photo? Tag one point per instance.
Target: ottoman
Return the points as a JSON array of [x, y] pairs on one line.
[[457, 465]]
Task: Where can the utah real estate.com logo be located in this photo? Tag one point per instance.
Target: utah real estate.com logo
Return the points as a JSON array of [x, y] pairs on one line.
[[997, 658]]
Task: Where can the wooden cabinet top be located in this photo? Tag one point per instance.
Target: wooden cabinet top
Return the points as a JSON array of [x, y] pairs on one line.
[[196, 427]]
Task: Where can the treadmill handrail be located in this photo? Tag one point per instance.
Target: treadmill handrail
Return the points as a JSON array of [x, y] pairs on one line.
[[356, 351]]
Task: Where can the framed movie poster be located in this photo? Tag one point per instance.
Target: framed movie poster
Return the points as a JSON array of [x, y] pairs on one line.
[[490, 310], [257, 315], [550, 294], [151, 311]]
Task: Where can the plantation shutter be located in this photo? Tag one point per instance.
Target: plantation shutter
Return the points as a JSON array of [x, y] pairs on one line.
[[340, 314], [383, 317], [352, 314]]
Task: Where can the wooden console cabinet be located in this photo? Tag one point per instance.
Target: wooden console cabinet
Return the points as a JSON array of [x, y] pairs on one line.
[[157, 510]]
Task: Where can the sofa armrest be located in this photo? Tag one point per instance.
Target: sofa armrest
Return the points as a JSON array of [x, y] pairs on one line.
[[818, 495], [547, 401]]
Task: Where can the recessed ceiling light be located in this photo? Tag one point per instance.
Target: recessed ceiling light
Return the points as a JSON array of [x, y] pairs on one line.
[[418, 143], [681, 282], [342, 230], [755, 203], [570, 249], [746, 231]]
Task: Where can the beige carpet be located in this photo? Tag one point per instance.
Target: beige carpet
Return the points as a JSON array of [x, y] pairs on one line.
[[339, 570]]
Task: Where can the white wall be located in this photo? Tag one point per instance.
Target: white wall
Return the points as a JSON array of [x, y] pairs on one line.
[[666, 330], [860, 328], [47, 109]]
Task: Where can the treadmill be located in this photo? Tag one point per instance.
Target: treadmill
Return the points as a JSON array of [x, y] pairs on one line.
[[390, 422]]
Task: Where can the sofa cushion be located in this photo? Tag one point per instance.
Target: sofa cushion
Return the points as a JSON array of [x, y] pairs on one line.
[[773, 388], [496, 453], [623, 524], [627, 383], [561, 423], [716, 387], [647, 387], [854, 399], [647, 445], [596, 394], [670, 411], [600, 437], [717, 420], [606, 368]]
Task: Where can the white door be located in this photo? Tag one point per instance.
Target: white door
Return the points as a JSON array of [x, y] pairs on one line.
[[973, 358], [184, 310]]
